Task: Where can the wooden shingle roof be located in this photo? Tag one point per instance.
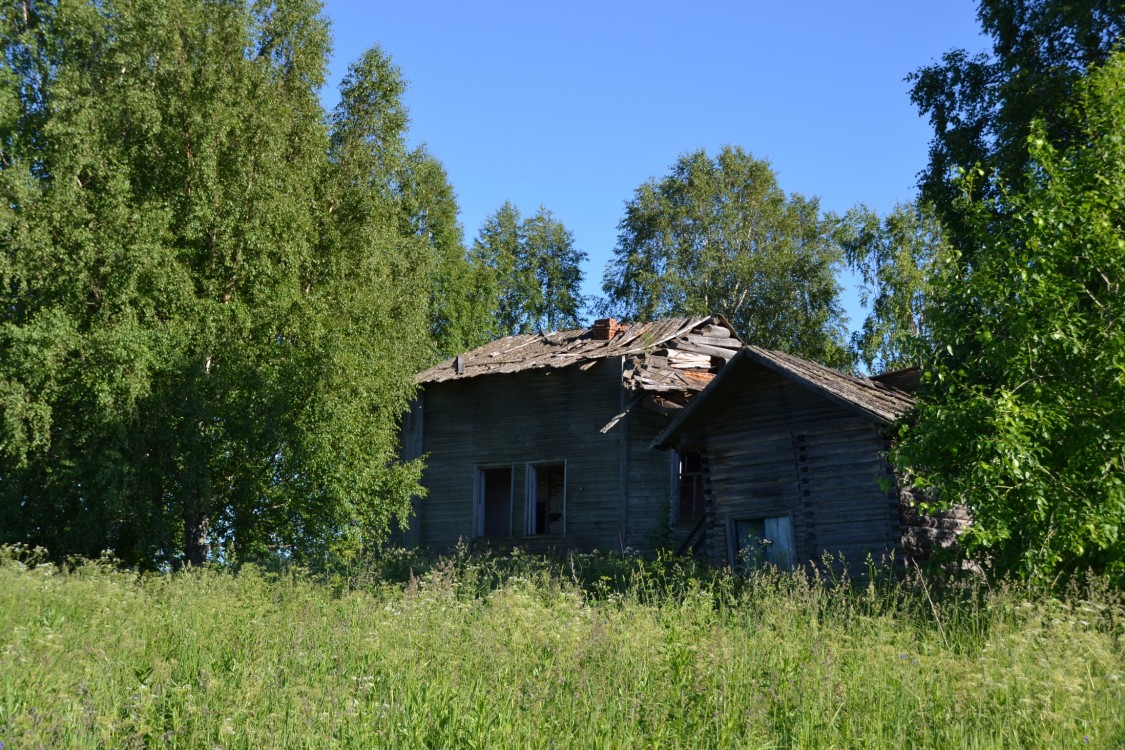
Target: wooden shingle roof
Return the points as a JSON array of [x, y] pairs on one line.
[[879, 402], [882, 402]]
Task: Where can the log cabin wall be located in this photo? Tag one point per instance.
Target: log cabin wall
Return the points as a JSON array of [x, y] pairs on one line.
[[923, 535], [780, 450], [542, 416], [649, 486]]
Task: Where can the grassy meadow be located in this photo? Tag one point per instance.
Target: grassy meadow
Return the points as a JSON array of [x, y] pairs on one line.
[[475, 651]]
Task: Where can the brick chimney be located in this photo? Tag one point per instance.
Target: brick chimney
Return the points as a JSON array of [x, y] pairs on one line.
[[605, 329]]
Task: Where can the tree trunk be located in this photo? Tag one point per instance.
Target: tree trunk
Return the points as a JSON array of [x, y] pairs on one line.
[[195, 538]]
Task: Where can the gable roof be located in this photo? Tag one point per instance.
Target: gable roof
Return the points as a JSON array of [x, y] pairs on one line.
[[879, 402], [672, 354]]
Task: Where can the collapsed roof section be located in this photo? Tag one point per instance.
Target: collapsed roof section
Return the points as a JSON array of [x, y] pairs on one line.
[[672, 356]]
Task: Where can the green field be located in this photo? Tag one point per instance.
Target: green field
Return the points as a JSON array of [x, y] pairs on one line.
[[593, 652]]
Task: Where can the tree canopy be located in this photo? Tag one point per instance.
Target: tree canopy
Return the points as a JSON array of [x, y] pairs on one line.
[[535, 269], [718, 235], [894, 257], [1022, 415], [216, 295], [981, 106]]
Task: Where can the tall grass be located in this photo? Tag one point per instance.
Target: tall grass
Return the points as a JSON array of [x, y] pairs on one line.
[[479, 651]]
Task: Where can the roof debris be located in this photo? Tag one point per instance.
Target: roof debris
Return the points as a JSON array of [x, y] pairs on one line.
[[669, 355]]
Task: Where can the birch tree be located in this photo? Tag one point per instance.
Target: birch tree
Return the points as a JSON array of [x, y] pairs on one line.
[[214, 301], [1022, 409], [535, 269], [718, 235]]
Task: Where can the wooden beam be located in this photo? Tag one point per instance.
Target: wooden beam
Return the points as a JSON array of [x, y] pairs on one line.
[[714, 351], [719, 341]]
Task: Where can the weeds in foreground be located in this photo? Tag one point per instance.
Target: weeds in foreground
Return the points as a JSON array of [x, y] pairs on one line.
[[485, 650]]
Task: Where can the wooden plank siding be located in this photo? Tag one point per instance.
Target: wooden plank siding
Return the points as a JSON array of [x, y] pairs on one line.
[[412, 448], [522, 418], [777, 449], [649, 486]]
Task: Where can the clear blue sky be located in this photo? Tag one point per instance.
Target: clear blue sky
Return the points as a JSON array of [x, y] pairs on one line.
[[574, 104]]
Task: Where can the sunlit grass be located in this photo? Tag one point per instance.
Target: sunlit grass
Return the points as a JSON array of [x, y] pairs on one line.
[[594, 652]]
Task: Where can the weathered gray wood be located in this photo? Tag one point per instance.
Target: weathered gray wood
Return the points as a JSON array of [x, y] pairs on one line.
[[714, 351], [513, 420], [623, 478], [518, 401], [649, 479], [716, 331], [777, 448], [722, 342]]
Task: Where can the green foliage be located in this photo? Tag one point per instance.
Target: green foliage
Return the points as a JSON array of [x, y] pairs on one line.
[[460, 317], [535, 269], [407, 188], [717, 235], [213, 303], [1023, 411], [894, 258], [96, 657], [981, 107]]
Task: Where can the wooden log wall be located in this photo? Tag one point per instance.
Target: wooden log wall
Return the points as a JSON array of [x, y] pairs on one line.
[[538, 416], [649, 479], [780, 449], [923, 535]]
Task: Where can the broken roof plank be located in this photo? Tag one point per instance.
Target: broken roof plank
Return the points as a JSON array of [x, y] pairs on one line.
[[563, 348], [714, 351], [720, 341]]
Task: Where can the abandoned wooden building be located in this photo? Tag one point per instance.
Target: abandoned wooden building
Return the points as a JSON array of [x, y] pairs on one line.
[[542, 440], [793, 455]]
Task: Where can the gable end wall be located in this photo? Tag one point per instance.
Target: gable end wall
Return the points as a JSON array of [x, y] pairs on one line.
[[782, 450]]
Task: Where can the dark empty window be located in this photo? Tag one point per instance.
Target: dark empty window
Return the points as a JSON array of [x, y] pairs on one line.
[[494, 502], [691, 501], [546, 500]]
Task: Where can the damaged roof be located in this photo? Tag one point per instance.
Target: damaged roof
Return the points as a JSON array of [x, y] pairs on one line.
[[672, 354], [880, 402]]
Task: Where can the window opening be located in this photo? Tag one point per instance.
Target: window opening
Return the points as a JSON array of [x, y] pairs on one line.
[[691, 504], [494, 501], [546, 500], [761, 541]]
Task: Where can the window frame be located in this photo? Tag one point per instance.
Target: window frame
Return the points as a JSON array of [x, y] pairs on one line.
[[479, 499], [732, 540], [531, 497], [677, 478]]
